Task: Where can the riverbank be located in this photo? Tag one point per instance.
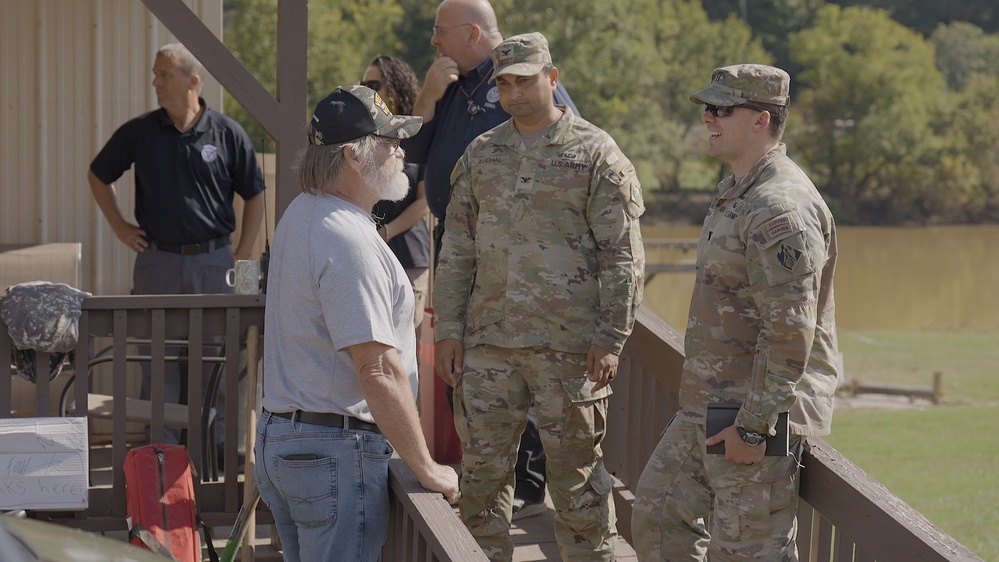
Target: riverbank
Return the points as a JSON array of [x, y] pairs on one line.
[[940, 459]]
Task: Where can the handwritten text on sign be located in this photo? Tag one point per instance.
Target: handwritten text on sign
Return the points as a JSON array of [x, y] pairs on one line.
[[43, 463]]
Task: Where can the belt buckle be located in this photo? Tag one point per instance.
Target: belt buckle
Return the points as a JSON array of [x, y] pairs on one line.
[[190, 249]]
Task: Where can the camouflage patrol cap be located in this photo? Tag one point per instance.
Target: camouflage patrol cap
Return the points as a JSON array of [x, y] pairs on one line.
[[736, 85], [521, 55], [351, 112]]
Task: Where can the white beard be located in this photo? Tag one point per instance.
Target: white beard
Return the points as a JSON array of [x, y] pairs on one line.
[[388, 180]]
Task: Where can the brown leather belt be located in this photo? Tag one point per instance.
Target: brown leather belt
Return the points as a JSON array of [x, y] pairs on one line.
[[327, 419], [192, 249]]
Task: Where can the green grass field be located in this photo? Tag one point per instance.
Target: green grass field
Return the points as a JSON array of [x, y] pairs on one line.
[[942, 460]]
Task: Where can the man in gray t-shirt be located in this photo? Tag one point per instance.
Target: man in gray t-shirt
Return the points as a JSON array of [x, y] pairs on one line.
[[340, 352]]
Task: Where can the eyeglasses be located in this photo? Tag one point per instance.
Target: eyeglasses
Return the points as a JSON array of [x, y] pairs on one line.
[[726, 110], [440, 29], [393, 144], [373, 84]]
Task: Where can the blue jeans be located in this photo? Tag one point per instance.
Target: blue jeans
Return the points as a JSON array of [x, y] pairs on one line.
[[327, 488]]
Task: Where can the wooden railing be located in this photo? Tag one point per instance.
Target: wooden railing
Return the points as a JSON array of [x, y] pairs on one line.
[[423, 527], [204, 322], [845, 515]]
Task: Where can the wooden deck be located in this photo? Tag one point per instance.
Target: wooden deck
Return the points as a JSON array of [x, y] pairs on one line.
[[534, 539]]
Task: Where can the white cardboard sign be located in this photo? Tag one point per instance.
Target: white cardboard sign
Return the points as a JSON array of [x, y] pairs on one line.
[[44, 463]]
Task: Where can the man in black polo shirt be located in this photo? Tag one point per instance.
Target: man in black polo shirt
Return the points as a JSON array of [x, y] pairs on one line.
[[189, 161]]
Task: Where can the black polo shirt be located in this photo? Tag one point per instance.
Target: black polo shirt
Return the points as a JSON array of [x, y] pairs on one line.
[[184, 182], [468, 108]]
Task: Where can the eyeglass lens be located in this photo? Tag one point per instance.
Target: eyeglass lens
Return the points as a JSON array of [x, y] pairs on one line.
[[373, 84], [393, 144], [720, 111], [440, 29]]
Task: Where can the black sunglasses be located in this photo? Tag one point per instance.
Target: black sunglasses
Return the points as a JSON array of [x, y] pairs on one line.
[[373, 84], [726, 110]]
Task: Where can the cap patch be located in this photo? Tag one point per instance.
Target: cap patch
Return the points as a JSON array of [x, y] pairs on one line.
[[380, 104]]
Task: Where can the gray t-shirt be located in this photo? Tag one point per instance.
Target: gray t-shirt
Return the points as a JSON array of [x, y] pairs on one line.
[[332, 283]]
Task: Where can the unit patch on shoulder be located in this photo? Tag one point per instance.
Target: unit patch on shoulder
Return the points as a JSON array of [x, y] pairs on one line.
[[788, 256]]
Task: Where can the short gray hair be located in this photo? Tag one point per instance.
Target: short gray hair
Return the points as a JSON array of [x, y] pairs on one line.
[[186, 62], [320, 169]]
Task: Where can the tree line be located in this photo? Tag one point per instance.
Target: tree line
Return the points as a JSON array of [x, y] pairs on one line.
[[893, 102]]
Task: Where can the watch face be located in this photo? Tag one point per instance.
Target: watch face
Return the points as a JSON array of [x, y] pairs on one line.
[[751, 437]]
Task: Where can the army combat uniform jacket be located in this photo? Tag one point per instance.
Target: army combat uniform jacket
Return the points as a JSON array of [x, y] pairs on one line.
[[542, 246], [761, 328]]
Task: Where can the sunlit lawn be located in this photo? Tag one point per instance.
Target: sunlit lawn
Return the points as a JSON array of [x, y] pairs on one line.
[[942, 460]]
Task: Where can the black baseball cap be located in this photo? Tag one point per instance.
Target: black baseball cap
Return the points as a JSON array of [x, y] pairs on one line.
[[351, 112]]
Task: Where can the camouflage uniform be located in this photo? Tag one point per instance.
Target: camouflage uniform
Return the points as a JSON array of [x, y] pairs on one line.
[[761, 331], [542, 257]]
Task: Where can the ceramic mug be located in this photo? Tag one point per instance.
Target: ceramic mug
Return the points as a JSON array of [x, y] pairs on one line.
[[244, 277]]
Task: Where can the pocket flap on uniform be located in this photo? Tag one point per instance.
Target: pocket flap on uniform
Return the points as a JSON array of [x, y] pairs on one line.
[[580, 389]]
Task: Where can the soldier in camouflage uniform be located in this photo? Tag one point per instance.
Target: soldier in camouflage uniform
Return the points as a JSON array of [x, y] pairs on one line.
[[538, 283], [761, 332]]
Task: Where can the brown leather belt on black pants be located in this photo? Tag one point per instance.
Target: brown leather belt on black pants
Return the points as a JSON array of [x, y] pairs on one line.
[[329, 420]]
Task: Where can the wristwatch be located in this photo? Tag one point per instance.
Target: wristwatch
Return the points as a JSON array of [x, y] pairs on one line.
[[751, 438]]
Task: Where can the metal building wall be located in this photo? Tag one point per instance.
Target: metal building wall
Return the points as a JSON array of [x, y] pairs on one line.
[[71, 72]]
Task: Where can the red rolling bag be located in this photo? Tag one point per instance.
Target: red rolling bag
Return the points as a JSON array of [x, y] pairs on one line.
[[160, 496]]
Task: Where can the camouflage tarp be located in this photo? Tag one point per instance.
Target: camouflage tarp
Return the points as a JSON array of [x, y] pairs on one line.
[[42, 316]]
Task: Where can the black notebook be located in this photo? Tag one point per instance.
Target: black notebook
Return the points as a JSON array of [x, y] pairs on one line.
[[722, 414]]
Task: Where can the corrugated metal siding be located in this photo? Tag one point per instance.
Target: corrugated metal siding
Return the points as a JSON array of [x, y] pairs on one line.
[[71, 72]]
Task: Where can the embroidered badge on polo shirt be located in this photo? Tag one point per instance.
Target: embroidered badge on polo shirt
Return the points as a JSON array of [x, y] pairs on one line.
[[492, 96], [209, 153]]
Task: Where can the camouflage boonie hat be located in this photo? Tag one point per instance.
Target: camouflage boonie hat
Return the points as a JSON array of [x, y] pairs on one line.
[[351, 112], [736, 85], [521, 55]]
